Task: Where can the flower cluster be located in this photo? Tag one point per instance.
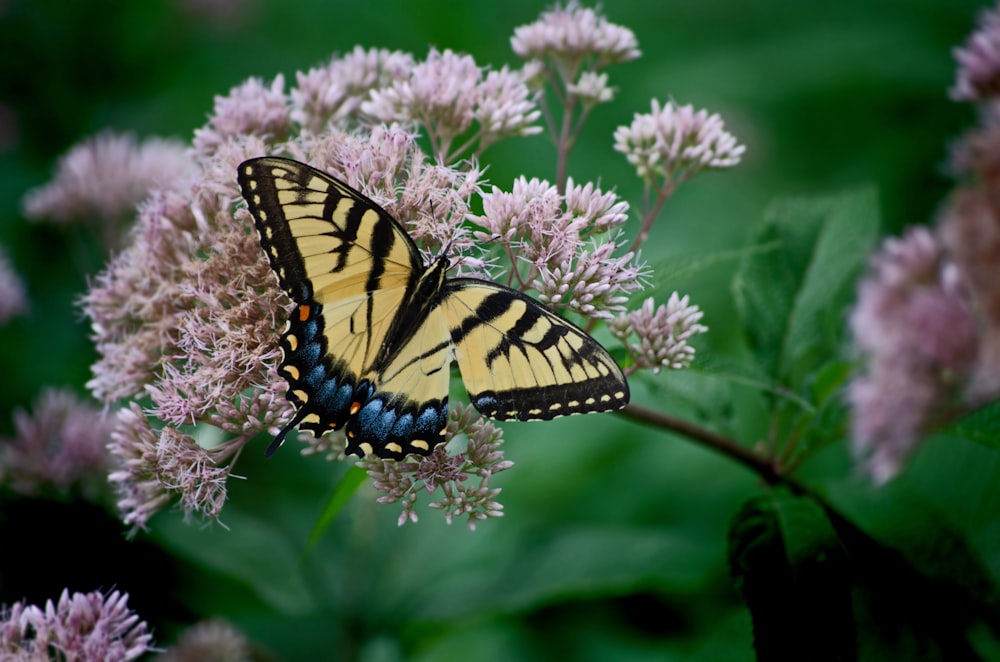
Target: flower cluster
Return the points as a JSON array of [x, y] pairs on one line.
[[252, 108], [155, 464], [573, 34], [81, 626], [919, 337], [565, 50], [662, 334], [671, 143], [446, 93], [13, 295], [928, 316], [61, 446], [334, 93], [102, 179], [402, 482], [562, 245], [187, 316]]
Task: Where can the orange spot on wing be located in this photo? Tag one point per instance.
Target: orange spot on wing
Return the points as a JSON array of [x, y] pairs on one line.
[[355, 408], [303, 313]]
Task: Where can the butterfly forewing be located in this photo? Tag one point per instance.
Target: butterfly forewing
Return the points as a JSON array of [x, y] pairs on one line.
[[321, 235]]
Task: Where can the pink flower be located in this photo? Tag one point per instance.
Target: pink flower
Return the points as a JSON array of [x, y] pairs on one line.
[[970, 231], [335, 92], [676, 142], [13, 294], [571, 33], [250, 108], [447, 93], [102, 180], [81, 626], [919, 337], [463, 478], [214, 639], [661, 335], [978, 76], [154, 466], [565, 242], [60, 446]]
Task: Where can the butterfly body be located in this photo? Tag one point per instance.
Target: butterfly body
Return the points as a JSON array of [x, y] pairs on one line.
[[368, 346]]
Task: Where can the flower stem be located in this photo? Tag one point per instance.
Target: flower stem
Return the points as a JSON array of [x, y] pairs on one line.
[[647, 222], [762, 466]]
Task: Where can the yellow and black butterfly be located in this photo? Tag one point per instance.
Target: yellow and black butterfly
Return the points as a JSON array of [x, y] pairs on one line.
[[374, 331]]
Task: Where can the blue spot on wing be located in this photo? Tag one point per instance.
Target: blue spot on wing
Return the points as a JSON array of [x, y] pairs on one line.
[[308, 355], [389, 424]]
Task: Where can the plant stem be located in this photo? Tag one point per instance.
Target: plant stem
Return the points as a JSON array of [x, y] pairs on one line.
[[762, 466], [647, 222]]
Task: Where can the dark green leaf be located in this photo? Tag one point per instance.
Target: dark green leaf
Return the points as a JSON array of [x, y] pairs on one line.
[[981, 426], [789, 566]]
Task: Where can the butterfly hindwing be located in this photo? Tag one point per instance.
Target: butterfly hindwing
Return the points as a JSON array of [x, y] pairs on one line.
[[369, 343], [409, 412], [521, 361]]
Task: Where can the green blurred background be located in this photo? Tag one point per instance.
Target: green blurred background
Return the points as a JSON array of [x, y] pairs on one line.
[[613, 543]]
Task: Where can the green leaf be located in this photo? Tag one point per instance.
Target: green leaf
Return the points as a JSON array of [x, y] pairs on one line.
[[981, 426], [339, 497], [791, 298], [582, 563], [788, 564], [672, 269], [262, 557], [936, 527]]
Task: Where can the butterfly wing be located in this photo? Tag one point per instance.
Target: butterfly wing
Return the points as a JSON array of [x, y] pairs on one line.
[[350, 268], [521, 361], [408, 412]]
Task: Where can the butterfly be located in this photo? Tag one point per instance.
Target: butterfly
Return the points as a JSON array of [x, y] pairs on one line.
[[369, 344]]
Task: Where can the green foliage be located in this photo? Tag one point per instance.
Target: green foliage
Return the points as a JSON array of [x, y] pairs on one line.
[[791, 296]]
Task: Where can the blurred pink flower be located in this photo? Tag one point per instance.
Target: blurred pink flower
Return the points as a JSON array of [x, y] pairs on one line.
[[978, 76], [102, 179], [13, 294], [919, 338], [214, 640], [61, 445]]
